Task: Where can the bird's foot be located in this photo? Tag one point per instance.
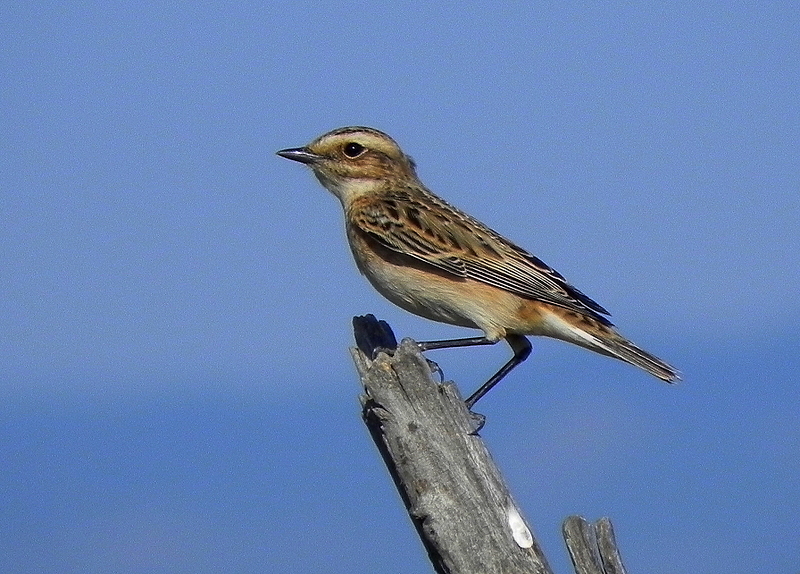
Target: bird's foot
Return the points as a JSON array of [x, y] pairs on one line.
[[477, 420], [436, 369]]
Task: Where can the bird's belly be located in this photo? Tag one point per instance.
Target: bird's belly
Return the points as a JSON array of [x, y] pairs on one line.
[[440, 296], [433, 300]]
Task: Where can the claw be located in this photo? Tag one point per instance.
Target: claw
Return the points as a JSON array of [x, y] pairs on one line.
[[478, 420], [435, 368]]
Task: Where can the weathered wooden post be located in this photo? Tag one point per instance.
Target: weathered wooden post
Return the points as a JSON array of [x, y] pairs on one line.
[[451, 487]]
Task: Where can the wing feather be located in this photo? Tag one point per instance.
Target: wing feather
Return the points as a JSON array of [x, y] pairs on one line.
[[428, 229]]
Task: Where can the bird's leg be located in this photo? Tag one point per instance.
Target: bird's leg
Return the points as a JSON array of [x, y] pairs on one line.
[[522, 348], [519, 344], [447, 344], [450, 343]]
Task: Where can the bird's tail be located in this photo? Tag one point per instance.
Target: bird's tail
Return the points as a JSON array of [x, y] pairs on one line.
[[602, 337], [621, 348]]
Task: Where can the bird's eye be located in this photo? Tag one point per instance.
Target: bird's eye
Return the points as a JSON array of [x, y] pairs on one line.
[[353, 149]]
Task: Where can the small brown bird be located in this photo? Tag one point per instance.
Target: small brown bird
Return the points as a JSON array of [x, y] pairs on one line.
[[436, 261]]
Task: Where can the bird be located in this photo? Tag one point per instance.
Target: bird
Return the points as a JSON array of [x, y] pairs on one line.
[[438, 262]]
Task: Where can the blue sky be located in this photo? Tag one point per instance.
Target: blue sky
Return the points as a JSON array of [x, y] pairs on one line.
[[176, 393]]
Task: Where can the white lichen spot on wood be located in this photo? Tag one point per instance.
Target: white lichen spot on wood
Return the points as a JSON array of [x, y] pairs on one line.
[[519, 530]]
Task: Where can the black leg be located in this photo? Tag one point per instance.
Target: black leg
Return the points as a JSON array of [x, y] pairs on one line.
[[519, 344], [522, 348], [450, 343]]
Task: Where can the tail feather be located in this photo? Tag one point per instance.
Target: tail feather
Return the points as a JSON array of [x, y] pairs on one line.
[[592, 334], [622, 349]]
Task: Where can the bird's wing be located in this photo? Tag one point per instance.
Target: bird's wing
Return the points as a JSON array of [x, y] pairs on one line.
[[429, 229]]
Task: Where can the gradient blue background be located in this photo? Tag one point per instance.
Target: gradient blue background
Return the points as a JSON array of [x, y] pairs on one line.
[[176, 393]]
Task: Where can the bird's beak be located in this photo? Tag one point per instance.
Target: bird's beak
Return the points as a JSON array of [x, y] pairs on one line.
[[300, 154]]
